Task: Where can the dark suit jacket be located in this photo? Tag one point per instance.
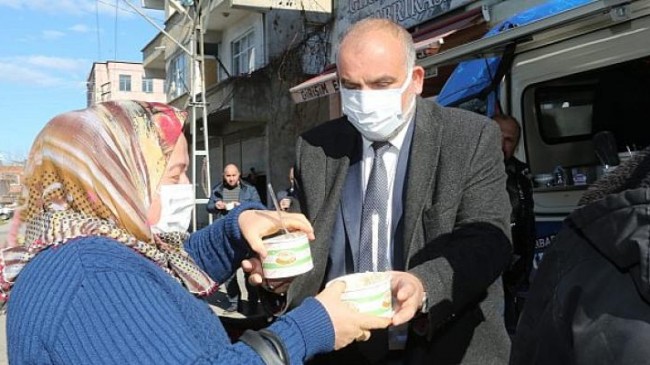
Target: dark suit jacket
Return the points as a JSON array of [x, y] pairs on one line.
[[455, 226]]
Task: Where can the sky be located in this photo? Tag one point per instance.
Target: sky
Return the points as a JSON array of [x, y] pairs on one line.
[[47, 48]]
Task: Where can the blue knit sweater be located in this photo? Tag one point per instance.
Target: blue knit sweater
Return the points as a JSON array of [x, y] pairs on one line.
[[95, 301]]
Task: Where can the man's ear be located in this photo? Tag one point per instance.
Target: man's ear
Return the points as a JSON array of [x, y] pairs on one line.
[[418, 79]]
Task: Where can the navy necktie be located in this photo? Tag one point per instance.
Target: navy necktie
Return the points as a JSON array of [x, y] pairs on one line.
[[375, 204]]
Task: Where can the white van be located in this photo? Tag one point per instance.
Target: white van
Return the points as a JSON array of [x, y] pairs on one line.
[[567, 77]]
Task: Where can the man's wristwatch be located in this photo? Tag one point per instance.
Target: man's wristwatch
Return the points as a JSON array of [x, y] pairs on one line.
[[424, 308]]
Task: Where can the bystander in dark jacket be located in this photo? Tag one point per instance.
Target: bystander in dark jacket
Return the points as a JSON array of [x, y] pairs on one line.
[[231, 192], [522, 222]]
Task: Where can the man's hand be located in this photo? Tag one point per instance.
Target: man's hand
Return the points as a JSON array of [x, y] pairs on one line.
[[220, 205], [408, 292]]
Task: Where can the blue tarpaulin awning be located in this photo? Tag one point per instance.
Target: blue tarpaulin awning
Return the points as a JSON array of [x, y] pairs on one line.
[[476, 77]]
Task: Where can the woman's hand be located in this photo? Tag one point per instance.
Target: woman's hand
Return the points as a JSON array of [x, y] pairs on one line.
[[253, 267], [257, 224], [349, 325]]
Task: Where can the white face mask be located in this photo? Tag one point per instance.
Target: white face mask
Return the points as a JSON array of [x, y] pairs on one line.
[[376, 114], [176, 204]]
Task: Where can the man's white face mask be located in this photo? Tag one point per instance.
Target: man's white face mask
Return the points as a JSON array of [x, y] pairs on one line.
[[376, 114], [176, 204]]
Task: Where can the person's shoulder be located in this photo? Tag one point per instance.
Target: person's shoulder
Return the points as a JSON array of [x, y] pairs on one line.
[[245, 184], [97, 253], [331, 129], [94, 254], [455, 116], [57, 270], [331, 138], [468, 118]]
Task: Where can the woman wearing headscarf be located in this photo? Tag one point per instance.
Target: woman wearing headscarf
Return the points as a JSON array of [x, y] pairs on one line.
[[100, 268]]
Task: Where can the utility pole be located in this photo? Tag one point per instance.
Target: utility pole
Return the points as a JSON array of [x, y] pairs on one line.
[[204, 153], [197, 60]]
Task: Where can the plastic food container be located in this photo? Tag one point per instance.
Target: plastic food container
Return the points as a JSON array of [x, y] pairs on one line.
[[368, 292], [287, 255]]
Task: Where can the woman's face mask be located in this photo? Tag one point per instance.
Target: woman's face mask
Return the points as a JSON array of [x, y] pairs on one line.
[[176, 204], [376, 114]]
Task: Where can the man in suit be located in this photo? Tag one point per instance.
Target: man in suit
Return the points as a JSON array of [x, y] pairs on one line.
[[446, 208]]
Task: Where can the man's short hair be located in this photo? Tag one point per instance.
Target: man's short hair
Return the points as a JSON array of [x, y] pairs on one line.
[[386, 25], [504, 119]]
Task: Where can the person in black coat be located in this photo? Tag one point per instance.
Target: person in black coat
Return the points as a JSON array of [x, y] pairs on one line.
[[590, 301]]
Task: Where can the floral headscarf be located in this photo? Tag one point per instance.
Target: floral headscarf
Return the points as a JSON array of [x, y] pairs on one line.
[[93, 172]]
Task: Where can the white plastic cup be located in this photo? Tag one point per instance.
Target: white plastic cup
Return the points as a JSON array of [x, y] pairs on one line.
[[368, 292], [288, 255]]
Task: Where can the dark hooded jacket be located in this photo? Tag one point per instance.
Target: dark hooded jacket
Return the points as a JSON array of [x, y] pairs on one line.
[[590, 301]]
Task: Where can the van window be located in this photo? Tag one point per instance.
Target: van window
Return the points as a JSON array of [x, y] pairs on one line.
[[561, 116], [565, 113]]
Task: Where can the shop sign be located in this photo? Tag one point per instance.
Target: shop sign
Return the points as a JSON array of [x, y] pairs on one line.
[[328, 85], [404, 12]]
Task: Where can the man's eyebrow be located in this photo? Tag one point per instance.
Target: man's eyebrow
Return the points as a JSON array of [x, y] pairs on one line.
[[381, 78], [346, 81], [384, 78]]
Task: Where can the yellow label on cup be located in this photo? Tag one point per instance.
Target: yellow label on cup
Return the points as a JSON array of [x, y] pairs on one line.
[[287, 255], [368, 292]]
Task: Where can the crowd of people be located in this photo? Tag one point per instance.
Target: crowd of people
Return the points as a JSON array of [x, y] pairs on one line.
[[100, 268]]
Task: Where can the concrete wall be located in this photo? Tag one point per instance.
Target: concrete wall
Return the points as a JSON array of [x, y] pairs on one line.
[[288, 121], [251, 22], [287, 28]]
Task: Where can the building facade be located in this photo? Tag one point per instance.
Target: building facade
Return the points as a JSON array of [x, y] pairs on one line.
[[117, 80], [242, 63]]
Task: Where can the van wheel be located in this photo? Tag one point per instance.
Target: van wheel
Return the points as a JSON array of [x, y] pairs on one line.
[[4, 216]]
